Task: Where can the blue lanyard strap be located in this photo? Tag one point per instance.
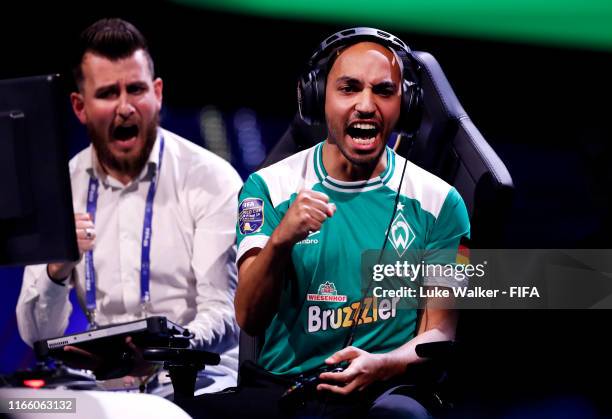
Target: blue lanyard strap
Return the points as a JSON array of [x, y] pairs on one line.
[[147, 232], [90, 273]]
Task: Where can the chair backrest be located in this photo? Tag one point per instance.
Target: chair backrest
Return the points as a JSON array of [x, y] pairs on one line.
[[448, 145]]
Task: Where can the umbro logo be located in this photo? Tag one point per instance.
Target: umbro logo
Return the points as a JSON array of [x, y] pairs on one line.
[[310, 239]]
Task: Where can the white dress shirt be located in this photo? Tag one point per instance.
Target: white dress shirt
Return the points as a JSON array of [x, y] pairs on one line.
[[193, 273]]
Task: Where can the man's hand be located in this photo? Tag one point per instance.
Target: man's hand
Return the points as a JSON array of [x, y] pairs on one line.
[[79, 358], [141, 367], [364, 369], [85, 232], [86, 239], [135, 366], [307, 214]]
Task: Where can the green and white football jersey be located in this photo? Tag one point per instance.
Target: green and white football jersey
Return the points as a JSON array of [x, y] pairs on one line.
[[320, 297]]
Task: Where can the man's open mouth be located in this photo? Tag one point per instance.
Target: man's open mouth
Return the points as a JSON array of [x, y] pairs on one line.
[[363, 131], [123, 133]]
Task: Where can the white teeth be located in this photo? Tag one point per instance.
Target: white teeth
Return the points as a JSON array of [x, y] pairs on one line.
[[364, 140], [364, 126]]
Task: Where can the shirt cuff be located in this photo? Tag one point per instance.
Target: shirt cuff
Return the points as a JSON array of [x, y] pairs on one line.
[[251, 242], [51, 288]]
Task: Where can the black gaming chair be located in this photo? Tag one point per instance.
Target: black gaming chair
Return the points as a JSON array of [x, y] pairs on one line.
[[448, 145]]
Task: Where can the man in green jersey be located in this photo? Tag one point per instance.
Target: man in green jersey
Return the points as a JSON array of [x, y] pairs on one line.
[[305, 221]]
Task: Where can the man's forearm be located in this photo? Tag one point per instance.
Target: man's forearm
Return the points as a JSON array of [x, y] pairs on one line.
[[435, 325], [261, 274], [43, 308], [259, 286]]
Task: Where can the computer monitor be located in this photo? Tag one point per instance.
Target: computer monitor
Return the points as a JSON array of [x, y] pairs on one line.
[[36, 214]]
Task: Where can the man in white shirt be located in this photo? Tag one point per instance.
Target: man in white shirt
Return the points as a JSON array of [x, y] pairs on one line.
[[155, 214]]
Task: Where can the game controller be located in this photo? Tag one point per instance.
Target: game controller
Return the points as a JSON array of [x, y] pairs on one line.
[[304, 388]]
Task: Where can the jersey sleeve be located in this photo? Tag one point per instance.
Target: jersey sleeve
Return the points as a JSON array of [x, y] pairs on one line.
[[257, 217], [451, 225]]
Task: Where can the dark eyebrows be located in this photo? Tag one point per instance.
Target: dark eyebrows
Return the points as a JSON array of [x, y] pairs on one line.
[[111, 88], [347, 80], [386, 85], [140, 84], [114, 88]]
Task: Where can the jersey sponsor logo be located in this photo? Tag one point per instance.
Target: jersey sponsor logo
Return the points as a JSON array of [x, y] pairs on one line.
[[327, 292], [401, 235], [310, 239], [250, 215], [374, 310], [327, 288]]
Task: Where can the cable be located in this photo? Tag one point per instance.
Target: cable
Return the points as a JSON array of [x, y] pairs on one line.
[[350, 337]]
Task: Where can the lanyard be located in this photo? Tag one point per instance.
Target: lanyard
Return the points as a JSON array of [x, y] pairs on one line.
[[90, 274]]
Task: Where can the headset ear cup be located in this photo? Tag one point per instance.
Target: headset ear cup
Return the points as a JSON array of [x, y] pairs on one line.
[[417, 108], [311, 97], [304, 97], [320, 81], [411, 107]]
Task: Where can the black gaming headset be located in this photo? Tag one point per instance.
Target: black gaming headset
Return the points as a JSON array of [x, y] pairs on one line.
[[311, 86]]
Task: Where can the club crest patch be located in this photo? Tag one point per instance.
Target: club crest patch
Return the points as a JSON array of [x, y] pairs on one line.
[[401, 235], [250, 215]]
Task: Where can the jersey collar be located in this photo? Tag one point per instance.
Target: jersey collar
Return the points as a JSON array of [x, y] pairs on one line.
[[356, 186]]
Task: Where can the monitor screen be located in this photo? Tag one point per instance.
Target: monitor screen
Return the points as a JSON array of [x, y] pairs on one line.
[[36, 215]]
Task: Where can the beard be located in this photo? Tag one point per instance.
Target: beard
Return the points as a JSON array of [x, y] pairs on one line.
[[131, 166]]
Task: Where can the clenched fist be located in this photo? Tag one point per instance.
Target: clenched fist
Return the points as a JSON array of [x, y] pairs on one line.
[[85, 232], [307, 214]]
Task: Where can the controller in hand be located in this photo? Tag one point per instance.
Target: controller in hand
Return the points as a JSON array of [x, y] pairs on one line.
[[304, 388]]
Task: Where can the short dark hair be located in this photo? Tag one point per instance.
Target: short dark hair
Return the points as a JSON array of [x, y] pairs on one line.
[[110, 38], [338, 51]]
